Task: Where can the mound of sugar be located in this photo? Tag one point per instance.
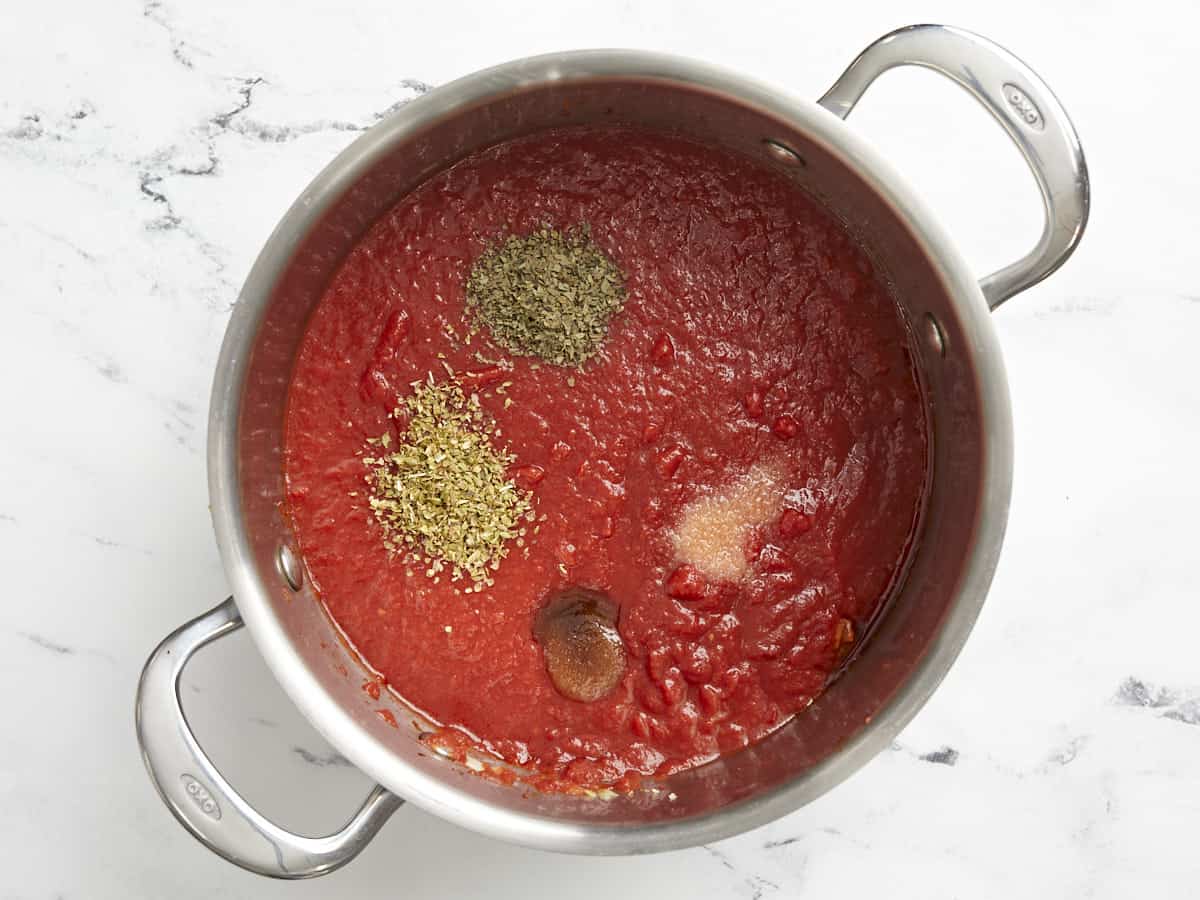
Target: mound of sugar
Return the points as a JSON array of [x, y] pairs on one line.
[[713, 530]]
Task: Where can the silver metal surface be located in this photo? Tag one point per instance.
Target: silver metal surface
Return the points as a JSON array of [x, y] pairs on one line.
[[927, 621], [1021, 102], [783, 153], [202, 800], [934, 336], [290, 567]]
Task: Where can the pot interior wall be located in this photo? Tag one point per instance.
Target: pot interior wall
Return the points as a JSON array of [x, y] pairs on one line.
[[911, 625]]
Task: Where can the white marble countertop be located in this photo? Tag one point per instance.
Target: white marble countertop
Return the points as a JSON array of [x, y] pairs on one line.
[[146, 150]]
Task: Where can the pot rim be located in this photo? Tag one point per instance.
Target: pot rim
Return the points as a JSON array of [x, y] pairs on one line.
[[335, 723]]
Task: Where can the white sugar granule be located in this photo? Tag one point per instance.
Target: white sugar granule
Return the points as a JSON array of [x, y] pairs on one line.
[[713, 530]]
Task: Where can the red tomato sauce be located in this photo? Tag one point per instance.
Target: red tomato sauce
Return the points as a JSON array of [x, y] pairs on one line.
[[755, 331]]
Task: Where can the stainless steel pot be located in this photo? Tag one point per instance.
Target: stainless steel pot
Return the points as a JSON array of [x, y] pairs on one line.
[[914, 644]]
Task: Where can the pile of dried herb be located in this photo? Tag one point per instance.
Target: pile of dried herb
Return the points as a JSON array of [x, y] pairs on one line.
[[549, 294], [444, 494]]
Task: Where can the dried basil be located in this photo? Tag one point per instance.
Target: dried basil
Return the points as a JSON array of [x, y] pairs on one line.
[[549, 294]]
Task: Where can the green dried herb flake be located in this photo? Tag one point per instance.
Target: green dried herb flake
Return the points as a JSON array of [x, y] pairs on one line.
[[549, 294], [444, 495]]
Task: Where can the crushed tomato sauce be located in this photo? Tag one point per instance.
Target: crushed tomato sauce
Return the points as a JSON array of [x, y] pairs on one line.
[[755, 334]]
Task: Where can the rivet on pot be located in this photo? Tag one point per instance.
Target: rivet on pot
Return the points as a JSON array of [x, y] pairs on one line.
[[782, 153], [934, 335], [289, 567]]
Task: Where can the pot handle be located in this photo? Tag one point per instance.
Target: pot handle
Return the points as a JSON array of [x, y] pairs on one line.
[[202, 800], [1022, 103]]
